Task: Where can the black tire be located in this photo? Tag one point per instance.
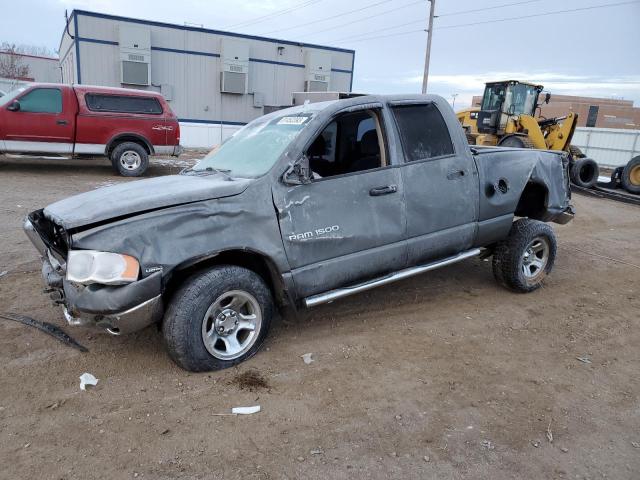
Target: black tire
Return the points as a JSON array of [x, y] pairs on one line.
[[584, 172], [515, 141], [576, 152], [616, 176], [630, 178], [515, 253], [130, 159], [184, 320]]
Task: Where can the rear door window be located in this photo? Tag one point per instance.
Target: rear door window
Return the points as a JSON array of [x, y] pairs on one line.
[[42, 100], [122, 104], [423, 131]]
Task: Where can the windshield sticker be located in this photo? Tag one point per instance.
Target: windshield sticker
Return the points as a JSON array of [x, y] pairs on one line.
[[292, 120]]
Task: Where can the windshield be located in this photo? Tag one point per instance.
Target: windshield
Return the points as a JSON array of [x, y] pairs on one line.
[[254, 149], [522, 97], [493, 97], [11, 95]]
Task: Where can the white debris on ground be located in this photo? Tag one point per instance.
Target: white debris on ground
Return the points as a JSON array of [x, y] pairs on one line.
[[306, 358], [245, 410], [87, 379]]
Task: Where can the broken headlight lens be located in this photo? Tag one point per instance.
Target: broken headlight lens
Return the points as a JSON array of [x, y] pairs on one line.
[[90, 266]]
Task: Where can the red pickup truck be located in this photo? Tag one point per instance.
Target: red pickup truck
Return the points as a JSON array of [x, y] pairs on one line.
[[122, 124]]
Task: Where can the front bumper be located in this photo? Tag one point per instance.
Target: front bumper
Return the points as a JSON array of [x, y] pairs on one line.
[[132, 320], [116, 309]]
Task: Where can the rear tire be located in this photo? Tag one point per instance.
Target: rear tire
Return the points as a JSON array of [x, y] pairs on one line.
[[584, 172], [630, 178], [218, 318], [130, 159], [523, 260]]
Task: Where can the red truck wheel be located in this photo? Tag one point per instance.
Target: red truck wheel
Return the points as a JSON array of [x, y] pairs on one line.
[[130, 159]]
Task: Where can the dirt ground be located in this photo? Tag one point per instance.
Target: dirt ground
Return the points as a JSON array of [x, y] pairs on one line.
[[445, 375]]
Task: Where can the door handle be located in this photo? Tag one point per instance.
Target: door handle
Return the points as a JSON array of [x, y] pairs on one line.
[[386, 190], [61, 122], [453, 174]]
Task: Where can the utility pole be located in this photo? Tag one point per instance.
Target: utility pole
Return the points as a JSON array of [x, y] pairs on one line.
[[454, 95], [428, 54]]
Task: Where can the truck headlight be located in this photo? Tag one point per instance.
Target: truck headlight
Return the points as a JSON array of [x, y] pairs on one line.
[[90, 266]]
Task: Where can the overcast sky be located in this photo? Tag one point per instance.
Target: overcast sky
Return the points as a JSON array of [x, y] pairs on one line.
[[586, 52]]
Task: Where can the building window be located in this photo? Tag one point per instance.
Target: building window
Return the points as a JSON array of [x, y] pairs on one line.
[[592, 116], [423, 131], [122, 104], [42, 100]]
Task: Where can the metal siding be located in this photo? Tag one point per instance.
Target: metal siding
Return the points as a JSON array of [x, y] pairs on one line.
[[195, 76], [611, 147]]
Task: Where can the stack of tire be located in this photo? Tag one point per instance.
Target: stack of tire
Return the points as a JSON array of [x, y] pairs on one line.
[[628, 176], [584, 171]]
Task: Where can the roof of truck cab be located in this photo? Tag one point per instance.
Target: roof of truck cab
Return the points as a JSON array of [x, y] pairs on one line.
[[97, 89]]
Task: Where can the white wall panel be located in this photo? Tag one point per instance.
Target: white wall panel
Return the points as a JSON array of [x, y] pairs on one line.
[[610, 147]]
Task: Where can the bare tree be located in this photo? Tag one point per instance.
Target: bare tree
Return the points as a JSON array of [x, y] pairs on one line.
[[11, 65], [38, 50]]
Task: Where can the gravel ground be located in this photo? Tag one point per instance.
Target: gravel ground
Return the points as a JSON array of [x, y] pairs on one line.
[[445, 375]]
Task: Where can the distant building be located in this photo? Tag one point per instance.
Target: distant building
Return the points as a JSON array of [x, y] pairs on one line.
[[592, 112], [36, 69], [214, 81]]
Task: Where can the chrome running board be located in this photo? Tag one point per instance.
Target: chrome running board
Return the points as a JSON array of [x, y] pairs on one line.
[[332, 295]]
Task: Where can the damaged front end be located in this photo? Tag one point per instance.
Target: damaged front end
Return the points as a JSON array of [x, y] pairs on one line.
[[117, 308]]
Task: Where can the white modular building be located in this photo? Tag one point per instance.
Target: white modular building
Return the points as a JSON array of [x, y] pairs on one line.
[[215, 81]]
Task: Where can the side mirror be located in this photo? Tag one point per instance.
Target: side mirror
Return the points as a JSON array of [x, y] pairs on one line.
[[298, 173], [14, 106], [547, 97]]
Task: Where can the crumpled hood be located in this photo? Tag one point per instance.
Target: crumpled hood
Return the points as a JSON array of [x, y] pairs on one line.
[[140, 196]]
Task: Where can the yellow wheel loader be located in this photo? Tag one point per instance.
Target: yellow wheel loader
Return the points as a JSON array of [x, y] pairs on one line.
[[507, 118]]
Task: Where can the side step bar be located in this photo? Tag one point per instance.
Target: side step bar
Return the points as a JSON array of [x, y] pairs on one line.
[[393, 277]]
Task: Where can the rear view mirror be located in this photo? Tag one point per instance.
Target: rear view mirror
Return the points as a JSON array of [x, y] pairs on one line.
[[14, 106]]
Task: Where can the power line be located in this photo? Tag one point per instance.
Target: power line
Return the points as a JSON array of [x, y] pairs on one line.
[[557, 12], [381, 30], [307, 3], [488, 21], [326, 18], [368, 18], [418, 21], [486, 8]]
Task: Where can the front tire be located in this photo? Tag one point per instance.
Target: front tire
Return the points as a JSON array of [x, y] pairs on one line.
[[130, 159], [523, 260], [217, 319]]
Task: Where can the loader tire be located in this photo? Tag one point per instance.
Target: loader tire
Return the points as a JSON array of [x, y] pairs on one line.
[[584, 172], [515, 141], [522, 261], [630, 178]]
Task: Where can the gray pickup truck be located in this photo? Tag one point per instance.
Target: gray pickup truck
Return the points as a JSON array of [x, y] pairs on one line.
[[300, 207]]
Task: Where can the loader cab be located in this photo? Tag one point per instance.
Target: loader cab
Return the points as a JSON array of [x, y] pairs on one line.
[[503, 100]]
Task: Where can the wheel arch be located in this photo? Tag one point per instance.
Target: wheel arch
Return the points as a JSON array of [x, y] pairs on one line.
[[129, 137], [255, 261], [534, 200]]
